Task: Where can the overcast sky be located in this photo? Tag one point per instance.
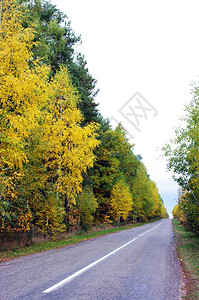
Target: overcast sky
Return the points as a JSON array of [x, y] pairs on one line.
[[144, 55]]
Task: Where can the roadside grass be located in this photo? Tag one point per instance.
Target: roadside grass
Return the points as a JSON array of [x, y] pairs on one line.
[[65, 240], [188, 253]]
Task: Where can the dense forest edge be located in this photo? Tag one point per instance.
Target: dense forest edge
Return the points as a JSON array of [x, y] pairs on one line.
[[182, 153], [62, 167]]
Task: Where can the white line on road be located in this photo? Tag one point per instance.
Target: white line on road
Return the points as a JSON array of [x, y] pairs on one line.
[[141, 234], [78, 273]]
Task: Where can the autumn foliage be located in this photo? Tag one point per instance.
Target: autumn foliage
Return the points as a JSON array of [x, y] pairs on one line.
[[57, 171], [121, 200], [44, 150], [183, 159]]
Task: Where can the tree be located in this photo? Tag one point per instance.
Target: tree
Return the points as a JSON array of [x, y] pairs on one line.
[[55, 44], [54, 39], [87, 203], [105, 173], [183, 159], [114, 160], [121, 200], [147, 202], [71, 146], [23, 94], [175, 212], [161, 211], [86, 87], [156, 200], [124, 153]]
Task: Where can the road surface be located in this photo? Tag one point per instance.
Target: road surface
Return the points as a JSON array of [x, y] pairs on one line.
[[138, 263]]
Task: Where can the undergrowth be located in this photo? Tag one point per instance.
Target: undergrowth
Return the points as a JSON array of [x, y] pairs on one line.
[[188, 253], [61, 241]]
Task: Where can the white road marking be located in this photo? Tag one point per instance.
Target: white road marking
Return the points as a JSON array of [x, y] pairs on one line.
[[78, 273], [141, 234]]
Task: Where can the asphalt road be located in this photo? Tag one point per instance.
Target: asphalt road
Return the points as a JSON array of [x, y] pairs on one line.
[[138, 263]]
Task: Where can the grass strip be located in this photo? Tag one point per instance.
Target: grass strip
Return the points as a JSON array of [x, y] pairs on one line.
[[37, 247], [188, 253]]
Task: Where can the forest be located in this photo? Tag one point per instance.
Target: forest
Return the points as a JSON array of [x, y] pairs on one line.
[[62, 166]]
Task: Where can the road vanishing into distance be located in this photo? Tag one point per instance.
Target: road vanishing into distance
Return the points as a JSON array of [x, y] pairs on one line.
[[138, 263]]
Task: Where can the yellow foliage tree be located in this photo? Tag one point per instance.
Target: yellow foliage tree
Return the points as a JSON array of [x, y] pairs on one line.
[[121, 200], [22, 96], [142, 194], [175, 211], [70, 145]]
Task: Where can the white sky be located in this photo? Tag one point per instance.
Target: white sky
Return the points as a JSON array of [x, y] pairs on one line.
[[150, 47]]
